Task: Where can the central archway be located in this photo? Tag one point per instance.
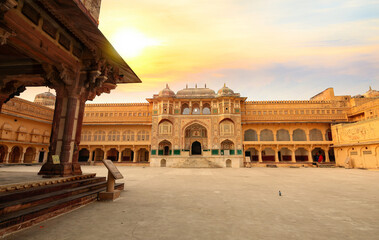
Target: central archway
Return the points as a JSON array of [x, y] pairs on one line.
[[196, 148]]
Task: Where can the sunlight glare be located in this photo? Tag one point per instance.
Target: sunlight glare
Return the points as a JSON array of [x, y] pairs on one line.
[[130, 43]]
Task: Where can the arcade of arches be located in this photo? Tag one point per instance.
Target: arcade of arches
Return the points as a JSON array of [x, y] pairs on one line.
[[197, 123]]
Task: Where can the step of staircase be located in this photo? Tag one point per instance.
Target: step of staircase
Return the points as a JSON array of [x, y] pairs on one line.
[[24, 208], [196, 162]]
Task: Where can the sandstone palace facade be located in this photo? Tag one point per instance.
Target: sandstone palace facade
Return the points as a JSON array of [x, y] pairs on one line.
[[198, 127]]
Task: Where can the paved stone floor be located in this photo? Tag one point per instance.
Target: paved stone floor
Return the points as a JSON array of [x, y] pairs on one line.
[[167, 203]]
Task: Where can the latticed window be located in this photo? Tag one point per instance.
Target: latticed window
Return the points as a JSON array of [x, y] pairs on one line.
[[165, 128], [226, 128], [86, 136], [99, 136], [114, 136], [128, 135], [143, 136]]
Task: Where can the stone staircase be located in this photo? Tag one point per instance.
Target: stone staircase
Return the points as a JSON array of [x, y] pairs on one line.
[[196, 162], [25, 204]]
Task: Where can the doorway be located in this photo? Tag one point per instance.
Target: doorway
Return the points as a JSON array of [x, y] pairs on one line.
[[196, 148]]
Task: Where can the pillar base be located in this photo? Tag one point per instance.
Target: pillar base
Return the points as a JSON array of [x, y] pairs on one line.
[[63, 170], [108, 196]]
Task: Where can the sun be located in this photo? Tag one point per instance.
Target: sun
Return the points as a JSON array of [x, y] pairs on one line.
[[130, 43]]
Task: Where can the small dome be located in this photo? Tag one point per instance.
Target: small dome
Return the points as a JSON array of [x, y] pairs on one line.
[[167, 92], [46, 99], [225, 91]]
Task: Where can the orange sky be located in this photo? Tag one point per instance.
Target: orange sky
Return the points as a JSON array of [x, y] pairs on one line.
[[287, 49]]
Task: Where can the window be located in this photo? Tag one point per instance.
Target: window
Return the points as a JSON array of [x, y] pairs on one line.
[[128, 135], [226, 128], [114, 136], [99, 136], [165, 127], [86, 136], [250, 135], [143, 136]]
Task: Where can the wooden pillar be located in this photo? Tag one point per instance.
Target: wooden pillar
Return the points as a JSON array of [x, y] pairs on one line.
[[75, 159], [48, 168], [68, 140]]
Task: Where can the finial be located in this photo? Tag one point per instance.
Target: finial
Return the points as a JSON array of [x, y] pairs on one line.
[[196, 85], [370, 89], [205, 85], [187, 85], [167, 85], [224, 84]]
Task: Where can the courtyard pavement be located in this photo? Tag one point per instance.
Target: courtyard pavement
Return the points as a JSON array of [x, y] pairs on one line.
[[169, 203]]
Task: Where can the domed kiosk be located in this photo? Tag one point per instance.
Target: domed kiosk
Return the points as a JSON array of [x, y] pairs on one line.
[[45, 99]]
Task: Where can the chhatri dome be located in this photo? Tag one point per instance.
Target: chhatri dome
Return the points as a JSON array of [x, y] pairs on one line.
[[46, 99], [167, 92], [195, 92], [225, 91]]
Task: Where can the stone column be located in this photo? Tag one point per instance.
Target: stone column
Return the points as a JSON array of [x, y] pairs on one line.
[[6, 160], [260, 155], [310, 158], [119, 154], [90, 155], [326, 150], [149, 149], [105, 153], [135, 159], [293, 156], [22, 159], [36, 157], [276, 155]]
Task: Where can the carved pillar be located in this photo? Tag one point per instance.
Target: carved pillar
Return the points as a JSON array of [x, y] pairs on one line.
[[276, 155], [136, 156], [327, 154], [260, 155], [6, 160], [90, 155], [310, 158], [293, 156], [22, 159], [36, 156], [119, 154]]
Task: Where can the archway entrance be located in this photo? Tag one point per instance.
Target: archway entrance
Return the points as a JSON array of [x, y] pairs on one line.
[[196, 148]]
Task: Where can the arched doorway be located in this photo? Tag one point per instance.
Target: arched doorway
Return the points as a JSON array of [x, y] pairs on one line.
[[316, 153], [15, 155], [29, 155], [3, 153], [83, 155], [228, 163], [112, 155], [163, 163], [164, 148], [195, 133], [99, 154], [196, 148]]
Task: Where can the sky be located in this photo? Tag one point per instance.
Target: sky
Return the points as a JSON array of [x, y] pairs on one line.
[[262, 49]]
